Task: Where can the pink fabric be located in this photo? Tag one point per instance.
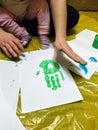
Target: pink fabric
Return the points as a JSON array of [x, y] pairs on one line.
[[37, 8], [9, 22]]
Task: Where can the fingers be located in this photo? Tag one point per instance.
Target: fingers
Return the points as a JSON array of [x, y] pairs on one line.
[[12, 48], [74, 56], [18, 43], [6, 52]]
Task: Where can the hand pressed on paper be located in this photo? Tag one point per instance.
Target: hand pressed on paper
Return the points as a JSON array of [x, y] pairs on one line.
[[61, 44]]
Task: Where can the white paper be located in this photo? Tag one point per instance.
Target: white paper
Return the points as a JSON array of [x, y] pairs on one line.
[[30, 75], [8, 118], [35, 94], [9, 80], [82, 45], [88, 35]]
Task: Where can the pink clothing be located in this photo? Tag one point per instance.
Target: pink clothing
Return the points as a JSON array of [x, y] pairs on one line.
[[9, 23], [37, 8]]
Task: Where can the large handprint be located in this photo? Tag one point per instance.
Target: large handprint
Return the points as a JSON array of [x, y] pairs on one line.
[[52, 73]]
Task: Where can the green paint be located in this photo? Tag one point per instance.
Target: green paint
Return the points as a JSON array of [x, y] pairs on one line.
[[81, 63], [12, 82], [38, 72], [25, 59], [63, 78], [49, 66], [58, 81], [54, 87], [47, 81], [95, 42], [16, 65], [19, 63], [51, 71]]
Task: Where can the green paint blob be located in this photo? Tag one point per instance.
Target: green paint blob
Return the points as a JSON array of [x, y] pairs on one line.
[[47, 81], [52, 73], [63, 78], [16, 65], [19, 63], [49, 66], [38, 72], [12, 82], [25, 59], [95, 42], [57, 81], [54, 87]]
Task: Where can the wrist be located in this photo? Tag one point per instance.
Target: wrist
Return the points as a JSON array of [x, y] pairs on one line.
[[60, 37], [1, 29]]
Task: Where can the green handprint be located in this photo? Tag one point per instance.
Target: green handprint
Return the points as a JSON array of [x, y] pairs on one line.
[[52, 71]]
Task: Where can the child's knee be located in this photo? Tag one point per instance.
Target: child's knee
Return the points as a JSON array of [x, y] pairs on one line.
[[45, 6]]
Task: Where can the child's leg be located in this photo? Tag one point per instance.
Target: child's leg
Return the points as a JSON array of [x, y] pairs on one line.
[[44, 24], [39, 9], [7, 22]]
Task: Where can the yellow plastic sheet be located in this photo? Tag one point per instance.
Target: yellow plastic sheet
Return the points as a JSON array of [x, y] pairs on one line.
[[81, 115]]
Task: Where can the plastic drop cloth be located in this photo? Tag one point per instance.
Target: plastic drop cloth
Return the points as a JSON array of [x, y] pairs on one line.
[[81, 115]]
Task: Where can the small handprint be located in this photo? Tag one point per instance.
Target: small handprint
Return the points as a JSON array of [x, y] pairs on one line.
[[52, 73]]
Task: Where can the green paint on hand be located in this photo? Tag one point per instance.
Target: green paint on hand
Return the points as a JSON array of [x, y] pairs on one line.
[[81, 63]]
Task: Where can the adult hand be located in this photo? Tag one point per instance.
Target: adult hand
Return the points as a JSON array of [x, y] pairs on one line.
[[61, 44], [9, 44]]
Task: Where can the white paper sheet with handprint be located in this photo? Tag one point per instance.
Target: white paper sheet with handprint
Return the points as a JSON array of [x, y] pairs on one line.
[[8, 118], [9, 80], [91, 34], [44, 83], [82, 45]]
